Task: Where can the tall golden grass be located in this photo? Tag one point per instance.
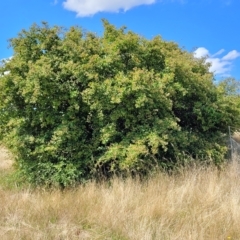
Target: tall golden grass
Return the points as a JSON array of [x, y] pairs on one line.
[[196, 203]]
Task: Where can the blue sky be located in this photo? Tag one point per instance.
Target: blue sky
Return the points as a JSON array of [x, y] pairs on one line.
[[207, 27]]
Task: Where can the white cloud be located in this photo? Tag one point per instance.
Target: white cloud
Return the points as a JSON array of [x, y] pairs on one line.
[[90, 7], [231, 55], [218, 53], [219, 65], [201, 52], [2, 62], [6, 72], [5, 60]]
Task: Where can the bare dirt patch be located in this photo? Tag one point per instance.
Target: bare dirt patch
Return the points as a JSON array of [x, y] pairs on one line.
[[6, 159]]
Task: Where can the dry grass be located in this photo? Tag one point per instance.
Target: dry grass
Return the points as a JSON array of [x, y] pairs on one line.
[[236, 136], [196, 204], [5, 158]]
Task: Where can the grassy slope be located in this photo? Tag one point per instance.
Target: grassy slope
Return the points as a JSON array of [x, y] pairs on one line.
[[196, 204]]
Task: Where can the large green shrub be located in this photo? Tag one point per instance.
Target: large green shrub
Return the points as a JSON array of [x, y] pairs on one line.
[[75, 105]]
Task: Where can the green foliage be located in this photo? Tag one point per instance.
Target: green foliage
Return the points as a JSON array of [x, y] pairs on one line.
[[10, 179], [75, 105]]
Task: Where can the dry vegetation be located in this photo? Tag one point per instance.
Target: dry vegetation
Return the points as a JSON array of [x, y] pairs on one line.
[[5, 158], [194, 204], [236, 136]]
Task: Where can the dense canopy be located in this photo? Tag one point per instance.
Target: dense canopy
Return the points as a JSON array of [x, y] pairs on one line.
[[75, 105]]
